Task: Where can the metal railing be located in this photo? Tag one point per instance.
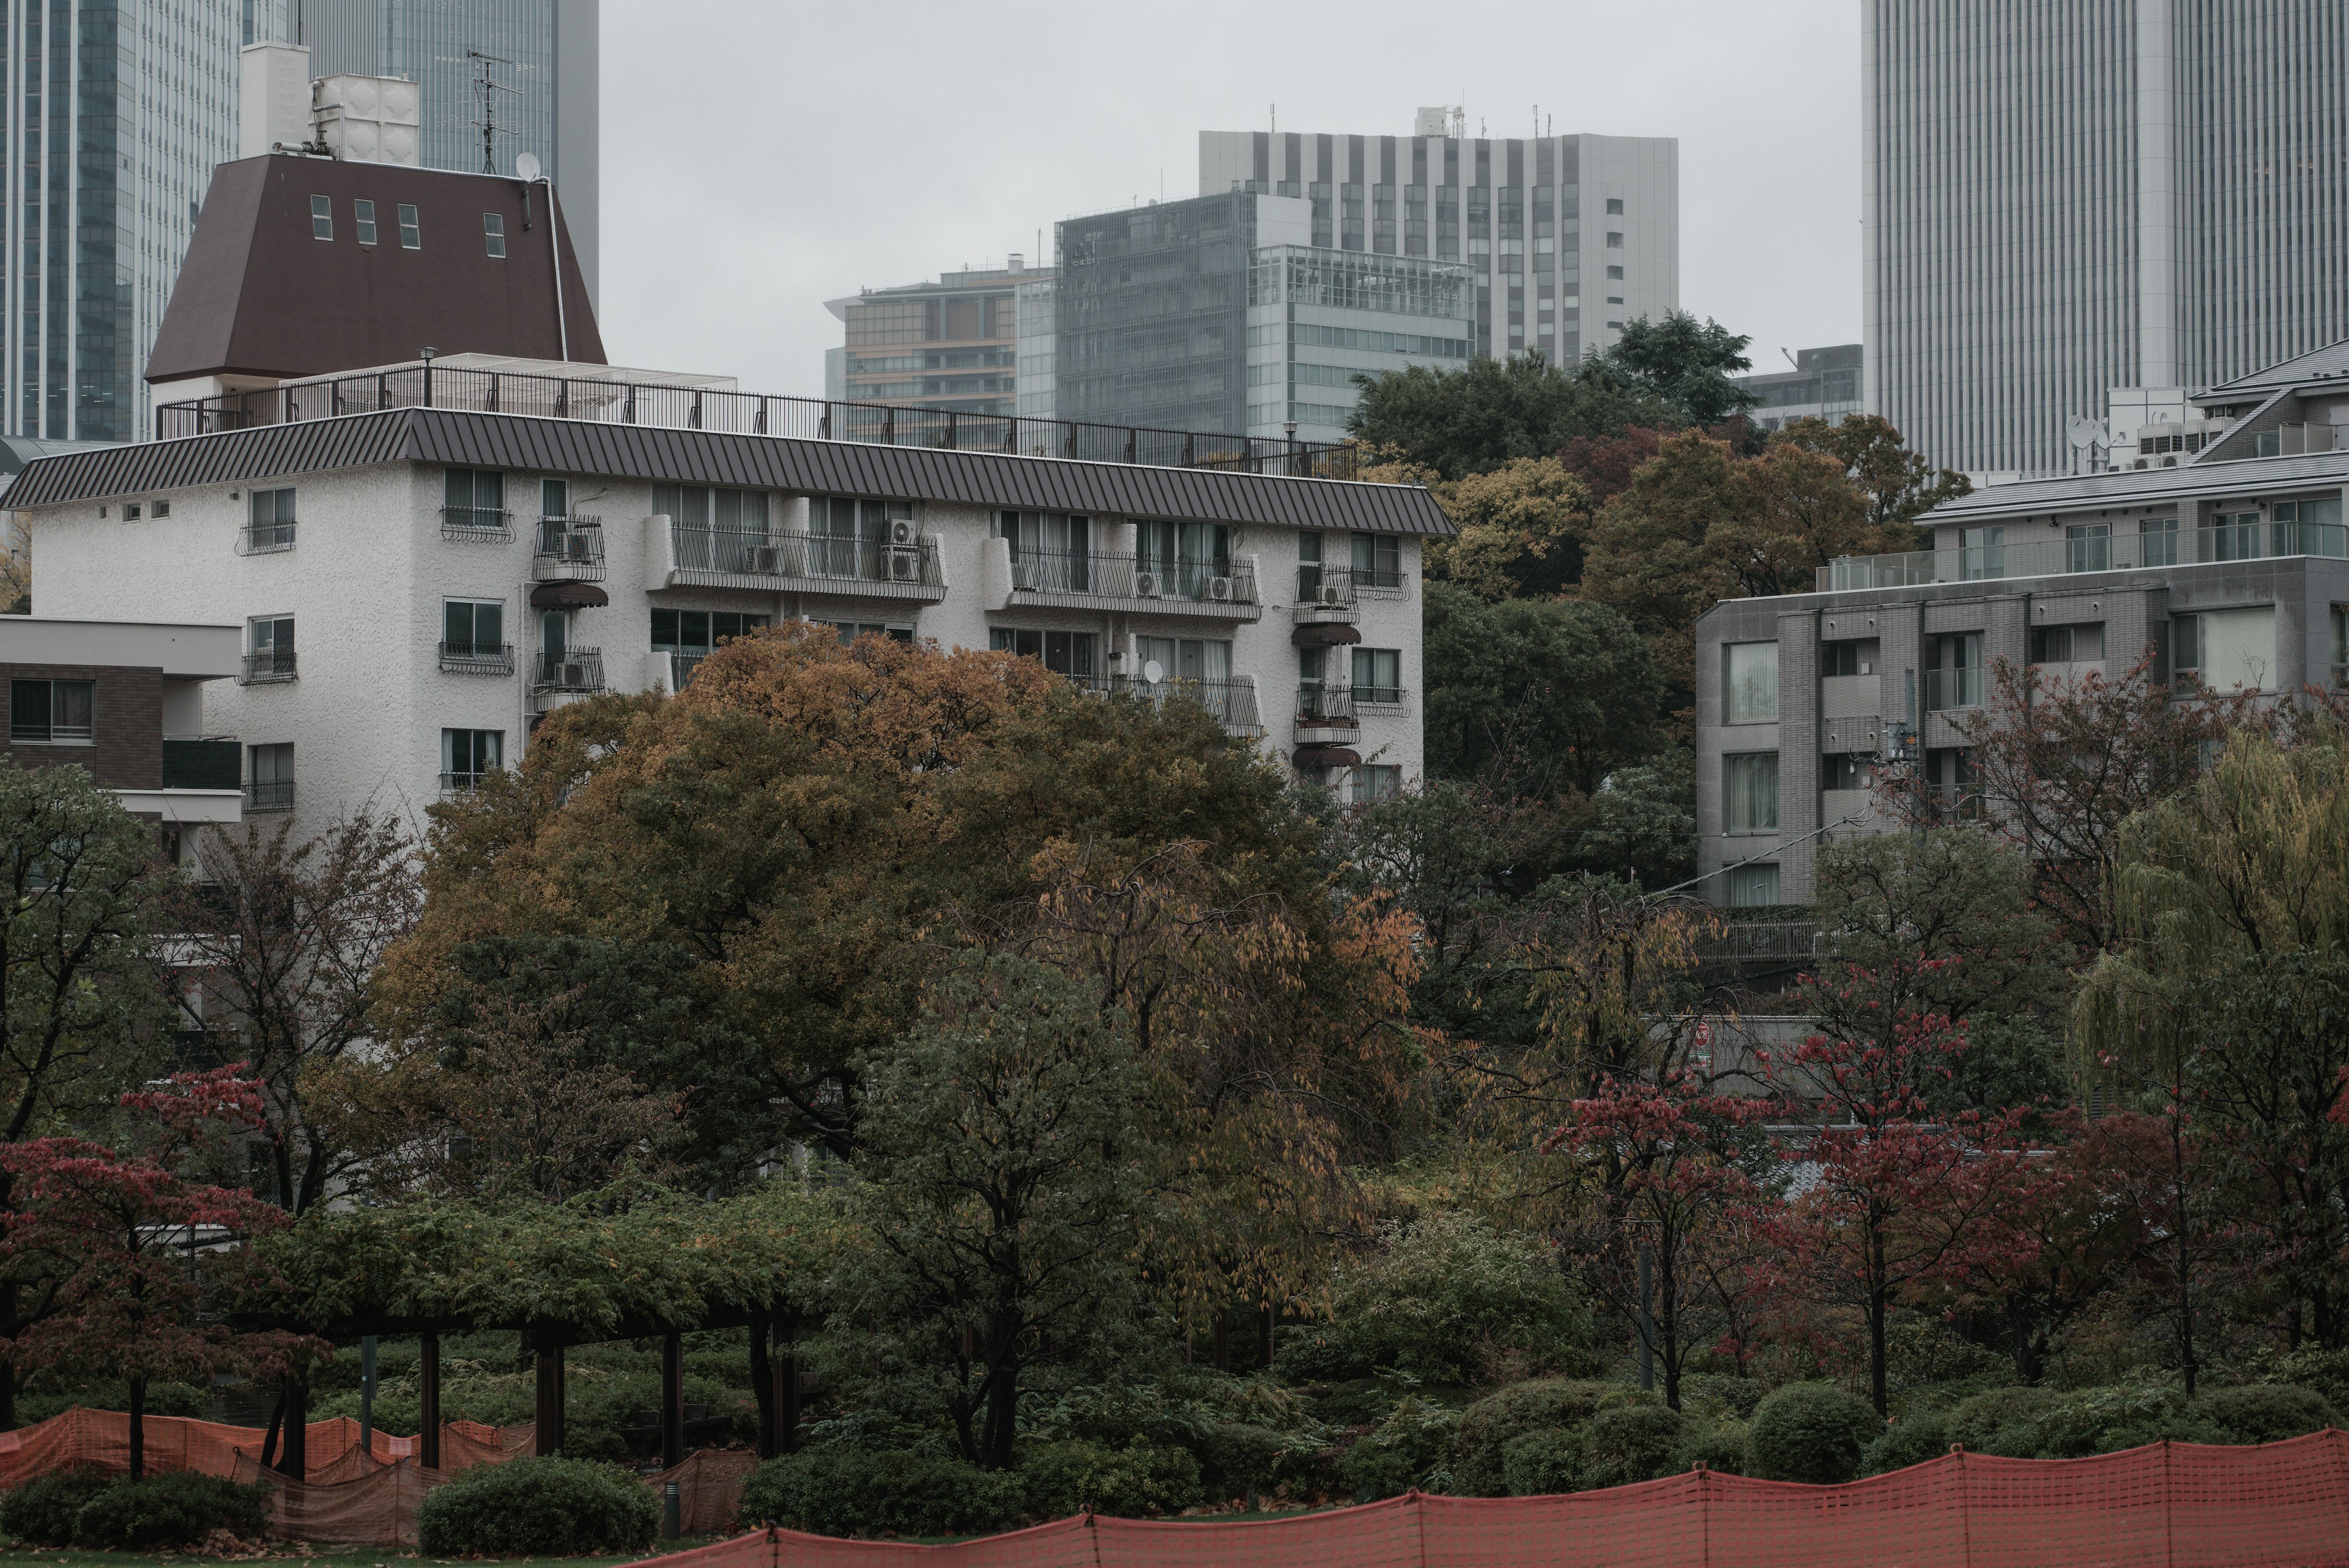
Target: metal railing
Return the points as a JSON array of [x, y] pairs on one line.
[[1946, 689], [569, 547], [266, 665], [2113, 552], [451, 783], [1324, 587], [571, 670], [1092, 574], [275, 795], [1231, 702], [261, 538], [1326, 707], [1369, 697], [681, 666], [477, 658], [476, 522], [808, 555], [750, 413], [208, 762]]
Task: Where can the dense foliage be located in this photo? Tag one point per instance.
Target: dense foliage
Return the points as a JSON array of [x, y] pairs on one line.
[[537, 1508]]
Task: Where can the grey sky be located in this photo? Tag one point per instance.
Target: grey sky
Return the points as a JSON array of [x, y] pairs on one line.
[[761, 157]]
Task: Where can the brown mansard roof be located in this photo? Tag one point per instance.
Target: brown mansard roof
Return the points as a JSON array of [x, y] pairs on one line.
[[258, 295]]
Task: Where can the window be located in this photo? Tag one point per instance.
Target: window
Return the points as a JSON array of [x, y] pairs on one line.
[[2088, 547], [1841, 658], [850, 631], [130, 511], [1750, 792], [363, 220], [473, 501], [494, 232], [412, 238], [270, 514], [1615, 272], [2159, 540], [1181, 560], [467, 754], [1981, 553], [322, 218], [2301, 527], [1375, 782], [1378, 676], [270, 655], [270, 778], [1847, 770], [50, 713], [1075, 654], [163, 509], [1378, 561], [2226, 651], [554, 498], [1614, 240], [1614, 206], [688, 637], [2066, 643], [1752, 887], [1753, 683], [474, 634], [1312, 680], [1954, 677], [1051, 552], [2340, 644]]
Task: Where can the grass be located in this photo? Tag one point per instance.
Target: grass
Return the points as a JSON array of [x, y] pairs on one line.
[[328, 1557]]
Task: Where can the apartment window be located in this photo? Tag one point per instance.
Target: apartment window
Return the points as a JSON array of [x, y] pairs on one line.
[[473, 501], [1377, 676], [473, 637], [1847, 771], [51, 713], [1981, 553], [269, 519], [1953, 679], [1753, 683], [2226, 651], [363, 220], [2301, 527], [270, 649], [1752, 887], [1615, 272], [163, 509], [1375, 782], [1750, 792], [688, 637], [130, 511], [2340, 644], [1183, 560], [1614, 240], [1378, 561], [1076, 654], [1841, 658], [2088, 547], [850, 631], [270, 777], [1051, 552], [1614, 206], [322, 218], [2158, 539], [2066, 643], [466, 755], [1312, 681], [412, 238], [494, 232]]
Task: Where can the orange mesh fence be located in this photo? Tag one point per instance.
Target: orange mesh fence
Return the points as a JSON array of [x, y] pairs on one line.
[[101, 1439], [708, 1488]]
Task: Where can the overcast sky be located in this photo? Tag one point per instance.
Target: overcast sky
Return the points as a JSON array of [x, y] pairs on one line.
[[761, 158]]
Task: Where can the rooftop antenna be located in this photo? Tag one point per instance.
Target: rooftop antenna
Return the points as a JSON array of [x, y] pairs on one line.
[[1790, 357], [490, 87], [1275, 118]]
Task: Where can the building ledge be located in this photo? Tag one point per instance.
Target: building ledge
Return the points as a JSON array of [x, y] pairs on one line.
[[184, 805]]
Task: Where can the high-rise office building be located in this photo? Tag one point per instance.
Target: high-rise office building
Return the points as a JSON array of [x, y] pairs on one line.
[[116, 114], [541, 65], [944, 345], [1824, 384], [1568, 236], [2065, 198]]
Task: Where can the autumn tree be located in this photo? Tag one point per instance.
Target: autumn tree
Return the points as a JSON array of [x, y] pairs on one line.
[[1899, 484], [1522, 528]]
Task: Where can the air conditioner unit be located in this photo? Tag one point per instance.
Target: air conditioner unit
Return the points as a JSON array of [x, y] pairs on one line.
[[901, 532], [574, 675], [1219, 589], [766, 561], [904, 566], [1333, 596], [1145, 584]]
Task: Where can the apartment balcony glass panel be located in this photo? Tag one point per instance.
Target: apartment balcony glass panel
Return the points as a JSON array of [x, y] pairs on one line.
[[2288, 528], [202, 762]]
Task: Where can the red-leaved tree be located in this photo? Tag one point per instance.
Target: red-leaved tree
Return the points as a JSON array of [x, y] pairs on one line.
[[119, 1251]]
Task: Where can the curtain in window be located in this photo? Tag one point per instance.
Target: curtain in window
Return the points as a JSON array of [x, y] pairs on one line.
[[1753, 695], [1750, 792]]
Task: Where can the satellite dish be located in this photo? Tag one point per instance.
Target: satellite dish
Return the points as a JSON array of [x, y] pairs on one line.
[[2085, 432], [526, 167], [1152, 671]]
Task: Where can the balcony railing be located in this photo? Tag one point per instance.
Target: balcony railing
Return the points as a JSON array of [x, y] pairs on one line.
[[261, 538], [477, 658], [1324, 587], [2296, 440], [571, 670], [568, 547], [1095, 575], [266, 665], [681, 666], [208, 762], [476, 522], [2113, 553], [1326, 707], [1949, 690], [749, 413], [452, 783], [849, 562], [1231, 702], [276, 795]]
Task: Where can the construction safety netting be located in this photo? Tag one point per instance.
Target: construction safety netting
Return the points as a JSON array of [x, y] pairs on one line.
[[2173, 1505]]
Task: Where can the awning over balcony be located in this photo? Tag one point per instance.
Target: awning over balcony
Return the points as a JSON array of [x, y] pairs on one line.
[[568, 596], [1324, 634], [1326, 757]]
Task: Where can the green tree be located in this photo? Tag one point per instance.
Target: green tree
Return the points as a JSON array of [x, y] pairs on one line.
[[1521, 530], [1683, 362], [1015, 1162], [1492, 411], [1900, 486]]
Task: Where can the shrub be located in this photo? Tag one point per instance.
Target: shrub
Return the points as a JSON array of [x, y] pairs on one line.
[[2326, 1371], [1239, 1458], [1735, 1396], [840, 1490], [1977, 1420], [1716, 1445], [1137, 1481], [1921, 1436], [42, 1510], [1491, 1424], [1811, 1432], [1630, 1443], [177, 1507], [537, 1508], [1449, 1298], [1539, 1464], [1320, 1352], [2103, 1421], [1413, 1446], [2263, 1413]]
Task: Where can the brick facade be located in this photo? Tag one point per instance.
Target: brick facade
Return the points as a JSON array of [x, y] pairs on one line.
[[126, 747]]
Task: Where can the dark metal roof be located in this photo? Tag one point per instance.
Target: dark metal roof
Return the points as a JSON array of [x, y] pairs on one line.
[[709, 457]]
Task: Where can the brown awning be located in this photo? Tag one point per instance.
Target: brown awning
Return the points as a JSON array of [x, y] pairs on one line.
[[1326, 757], [568, 596], [1324, 634]]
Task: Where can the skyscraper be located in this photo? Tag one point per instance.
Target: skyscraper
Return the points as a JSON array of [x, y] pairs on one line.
[[2075, 195], [542, 94], [116, 113]]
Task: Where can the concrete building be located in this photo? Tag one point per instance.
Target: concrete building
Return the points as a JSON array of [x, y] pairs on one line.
[[2231, 567], [418, 584], [951, 345], [1567, 237], [1221, 314], [2064, 199], [545, 100], [1824, 384]]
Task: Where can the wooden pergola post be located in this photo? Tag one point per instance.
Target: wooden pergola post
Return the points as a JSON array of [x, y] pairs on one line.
[[429, 1379], [547, 1358], [672, 1399]]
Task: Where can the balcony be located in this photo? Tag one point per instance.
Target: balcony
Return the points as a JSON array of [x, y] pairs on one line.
[[1947, 691], [2102, 553], [483, 522], [1231, 703], [1221, 590], [1326, 716], [209, 762], [264, 538], [2295, 440], [276, 794], [905, 567], [477, 658], [268, 666], [453, 783], [1325, 593], [569, 549], [571, 670]]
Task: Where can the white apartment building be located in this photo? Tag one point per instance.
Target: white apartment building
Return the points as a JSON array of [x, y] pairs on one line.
[[418, 586]]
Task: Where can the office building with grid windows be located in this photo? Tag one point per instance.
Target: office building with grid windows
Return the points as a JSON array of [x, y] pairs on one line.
[[954, 344], [1565, 237], [1822, 384]]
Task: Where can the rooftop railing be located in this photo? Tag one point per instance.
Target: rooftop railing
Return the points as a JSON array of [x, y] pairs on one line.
[[2102, 553], [750, 413]]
